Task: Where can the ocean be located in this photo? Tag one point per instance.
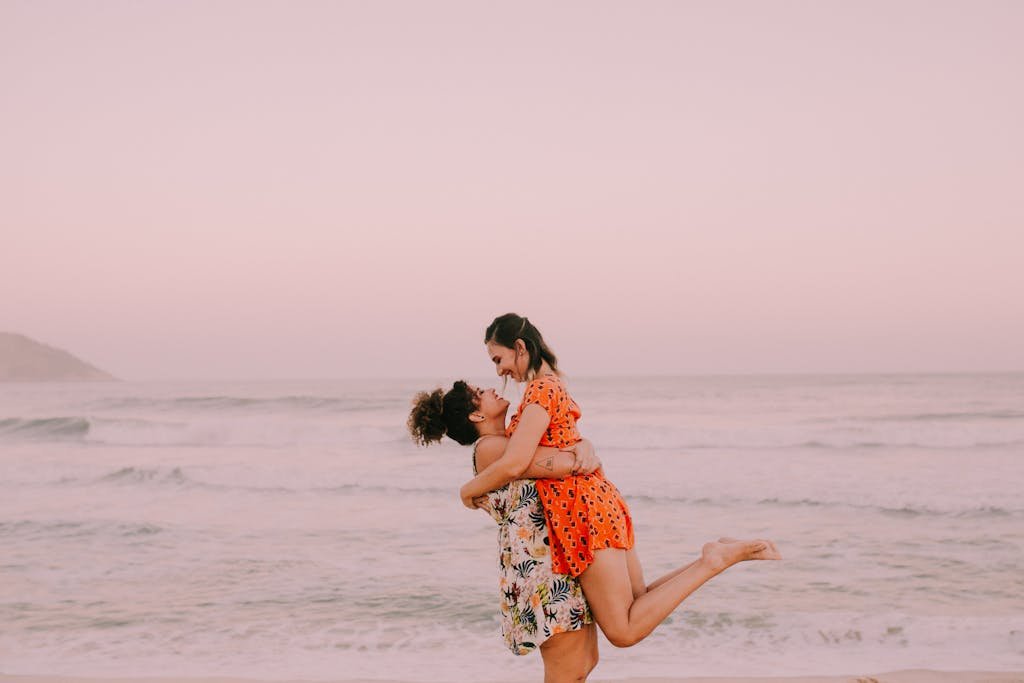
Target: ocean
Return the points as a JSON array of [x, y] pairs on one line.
[[292, 529]]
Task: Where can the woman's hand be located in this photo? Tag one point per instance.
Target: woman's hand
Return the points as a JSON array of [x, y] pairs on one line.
[[585, 460], [469, 500], [475, 502]]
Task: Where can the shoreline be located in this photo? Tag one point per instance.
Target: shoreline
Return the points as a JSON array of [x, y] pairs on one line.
[[901, 676]]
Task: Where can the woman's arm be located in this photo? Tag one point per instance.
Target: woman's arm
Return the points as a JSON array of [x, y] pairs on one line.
[[517, 457], [548, 462]]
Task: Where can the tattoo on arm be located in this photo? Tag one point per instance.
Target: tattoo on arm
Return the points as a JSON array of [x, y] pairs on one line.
[[548, 463]]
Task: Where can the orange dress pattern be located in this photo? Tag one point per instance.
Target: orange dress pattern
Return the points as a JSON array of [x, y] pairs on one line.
[[586, 512]]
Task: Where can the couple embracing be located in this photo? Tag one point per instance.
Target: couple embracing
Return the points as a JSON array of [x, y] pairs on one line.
[[566, 546]]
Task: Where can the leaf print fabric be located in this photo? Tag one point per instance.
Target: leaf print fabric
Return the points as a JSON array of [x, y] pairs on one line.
[[535, 603]]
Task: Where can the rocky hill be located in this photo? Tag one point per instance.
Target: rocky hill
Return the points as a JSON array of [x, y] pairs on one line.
[[25, 360]]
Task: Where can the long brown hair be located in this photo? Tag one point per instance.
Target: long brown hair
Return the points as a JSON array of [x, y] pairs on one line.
[[506, 329]]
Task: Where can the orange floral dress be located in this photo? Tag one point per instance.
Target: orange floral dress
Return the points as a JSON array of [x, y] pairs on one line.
[[584, 513]]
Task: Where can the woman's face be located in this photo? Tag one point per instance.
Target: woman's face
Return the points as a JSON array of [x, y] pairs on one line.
[[507, 362], [488, 403]]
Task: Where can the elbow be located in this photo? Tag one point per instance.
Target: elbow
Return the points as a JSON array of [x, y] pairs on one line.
[[516, 470]]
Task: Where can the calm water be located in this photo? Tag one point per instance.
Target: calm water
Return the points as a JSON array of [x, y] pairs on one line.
[[292, 530]]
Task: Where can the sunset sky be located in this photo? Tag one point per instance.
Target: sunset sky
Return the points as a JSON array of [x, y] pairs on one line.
[[255, 190]]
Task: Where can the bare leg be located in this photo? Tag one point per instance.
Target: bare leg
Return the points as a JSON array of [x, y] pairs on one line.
[[636, 572], [570, 657], [627, 619]]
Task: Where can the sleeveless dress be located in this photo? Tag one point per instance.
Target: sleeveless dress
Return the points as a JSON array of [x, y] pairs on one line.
[[586, 512], [535, 603]]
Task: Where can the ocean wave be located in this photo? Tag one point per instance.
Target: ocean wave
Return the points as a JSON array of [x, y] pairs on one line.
[[812, 444], [72, 529], [906, 445], [223, 431], [430, 645], [141, 475], [290, 404], [951, 416], [980, 511], [908, 510], [177, 478], [840, 435], [213, 428], [45, 428]]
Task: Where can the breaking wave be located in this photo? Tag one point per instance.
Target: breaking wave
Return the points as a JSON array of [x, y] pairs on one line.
[[222, 431], [41, 429]]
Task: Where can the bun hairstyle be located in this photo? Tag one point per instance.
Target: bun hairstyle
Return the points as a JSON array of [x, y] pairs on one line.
[[436, 413], [508, 328]]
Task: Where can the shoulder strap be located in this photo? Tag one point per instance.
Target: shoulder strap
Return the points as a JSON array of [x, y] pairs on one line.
[[475, 444]]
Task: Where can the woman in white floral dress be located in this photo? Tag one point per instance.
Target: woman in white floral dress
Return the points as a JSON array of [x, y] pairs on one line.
[[539, 609], [536, 604]]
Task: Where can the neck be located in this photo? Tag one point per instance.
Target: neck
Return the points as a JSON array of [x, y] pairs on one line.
[[494, 426], [545, 369]]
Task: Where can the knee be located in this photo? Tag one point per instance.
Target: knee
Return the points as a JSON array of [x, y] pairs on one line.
[[621, 638]]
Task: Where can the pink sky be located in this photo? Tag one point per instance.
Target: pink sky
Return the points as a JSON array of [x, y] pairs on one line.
[[269, 190]]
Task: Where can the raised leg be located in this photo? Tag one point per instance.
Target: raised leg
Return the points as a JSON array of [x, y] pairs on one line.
[[626, 618], [636, 572]]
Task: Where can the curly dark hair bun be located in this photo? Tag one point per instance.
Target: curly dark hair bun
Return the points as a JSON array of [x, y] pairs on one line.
[[436, 414], [426, 421]]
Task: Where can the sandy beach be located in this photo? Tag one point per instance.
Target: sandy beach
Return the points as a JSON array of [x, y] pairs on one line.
[[907, 676]]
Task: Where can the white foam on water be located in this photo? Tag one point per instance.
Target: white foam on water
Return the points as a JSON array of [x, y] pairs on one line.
[[292, 530]]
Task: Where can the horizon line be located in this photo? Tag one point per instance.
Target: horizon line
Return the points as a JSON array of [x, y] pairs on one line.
[[639, 375]]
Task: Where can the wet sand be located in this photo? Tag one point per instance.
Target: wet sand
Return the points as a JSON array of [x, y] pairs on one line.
[[908, 676]]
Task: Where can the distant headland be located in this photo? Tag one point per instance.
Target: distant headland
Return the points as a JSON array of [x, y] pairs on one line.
[[26, 360]]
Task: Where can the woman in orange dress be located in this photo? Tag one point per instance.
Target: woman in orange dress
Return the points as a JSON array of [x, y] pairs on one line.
[[588, 521]]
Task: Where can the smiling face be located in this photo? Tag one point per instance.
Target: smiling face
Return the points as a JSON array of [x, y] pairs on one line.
[[509, 362], [488, 403]]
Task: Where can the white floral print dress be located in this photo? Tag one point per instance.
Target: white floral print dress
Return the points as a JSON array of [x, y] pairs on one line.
[[535, 604]]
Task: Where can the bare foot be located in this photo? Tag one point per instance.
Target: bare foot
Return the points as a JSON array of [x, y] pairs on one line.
[[771, 553], [720, 555]]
